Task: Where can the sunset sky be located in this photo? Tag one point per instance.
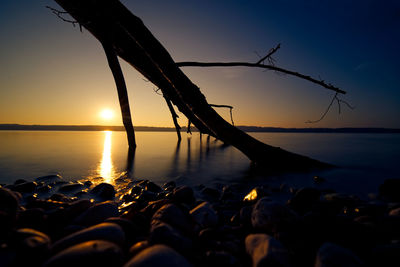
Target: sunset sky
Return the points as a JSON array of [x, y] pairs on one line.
[[51, 73]]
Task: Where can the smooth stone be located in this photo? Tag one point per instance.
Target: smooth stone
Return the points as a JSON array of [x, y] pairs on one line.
[[33, 247], [255, 194], [68, 188], [97, 214], [138, 247], [395, 212], [152, 187], [27, 187], [183, 194], [204, 215], [20, 181], [158, 255], [104, 191], [162, 233], [104, 231], [331, 255], [8, 210], [211, 193], [272, 216], [49, 179], [245, 215], [266, 251], [97, 253], [174, 216], [304, 199]]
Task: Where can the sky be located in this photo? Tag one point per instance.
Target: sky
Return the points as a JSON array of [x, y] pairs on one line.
[[51, 73]]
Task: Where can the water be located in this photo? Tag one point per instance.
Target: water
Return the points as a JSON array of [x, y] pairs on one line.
[[365, 160]]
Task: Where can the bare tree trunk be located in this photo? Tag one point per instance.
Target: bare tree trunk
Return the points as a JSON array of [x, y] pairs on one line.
[[133, 42], [122, 93]]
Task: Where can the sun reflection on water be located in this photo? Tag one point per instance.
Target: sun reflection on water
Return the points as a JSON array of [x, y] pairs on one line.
[[106, 167]]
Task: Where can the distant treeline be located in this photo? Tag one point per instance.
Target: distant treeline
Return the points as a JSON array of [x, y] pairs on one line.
[[171, 129]]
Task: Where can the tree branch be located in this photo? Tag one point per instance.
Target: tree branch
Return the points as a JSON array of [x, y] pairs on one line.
[[60, 14], [174, 117], [268, 56], [258, 65]]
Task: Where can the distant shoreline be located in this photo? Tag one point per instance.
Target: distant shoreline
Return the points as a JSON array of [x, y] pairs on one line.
[[22, 127]]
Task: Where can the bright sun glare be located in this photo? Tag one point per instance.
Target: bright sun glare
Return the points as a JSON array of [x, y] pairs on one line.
[[107, 114]]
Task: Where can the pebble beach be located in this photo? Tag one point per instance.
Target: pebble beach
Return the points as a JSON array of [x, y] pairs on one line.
[[53, 222]]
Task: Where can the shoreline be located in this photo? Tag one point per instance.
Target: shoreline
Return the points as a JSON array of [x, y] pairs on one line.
[[139, 221]]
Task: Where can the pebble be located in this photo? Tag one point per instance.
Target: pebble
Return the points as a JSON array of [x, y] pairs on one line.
[[304, 199], [331, 255], [97, 213], [266, 251], [104, 191], [390, 190], [162, 233], [97, 253], [272, 216], [204, 215], [104, 231], [175, 216], [158, 255], [183, 194], [8, 210]]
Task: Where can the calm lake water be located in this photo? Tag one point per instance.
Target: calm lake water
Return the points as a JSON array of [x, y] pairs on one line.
[[365, 160]]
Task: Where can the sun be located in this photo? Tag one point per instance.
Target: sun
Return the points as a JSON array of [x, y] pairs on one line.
[[107, 114]]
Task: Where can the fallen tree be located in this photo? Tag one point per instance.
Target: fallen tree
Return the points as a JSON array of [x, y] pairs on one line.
[[124, 33]]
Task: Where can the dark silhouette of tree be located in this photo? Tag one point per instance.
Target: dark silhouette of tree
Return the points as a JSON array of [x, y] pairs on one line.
[[123, 34]]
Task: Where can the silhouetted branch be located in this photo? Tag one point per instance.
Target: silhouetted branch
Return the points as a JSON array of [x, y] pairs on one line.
[[174, 117], [60, 14], [338, 101], [268, 56], [257, 65], [224, 106], [188, 128]]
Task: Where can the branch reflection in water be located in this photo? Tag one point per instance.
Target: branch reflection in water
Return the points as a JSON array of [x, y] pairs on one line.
[[106, 167]]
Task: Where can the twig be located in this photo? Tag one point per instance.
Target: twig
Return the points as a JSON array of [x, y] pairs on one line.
[[224, 106], [338, 101], [188, 127], [268, 56], [60, 14]]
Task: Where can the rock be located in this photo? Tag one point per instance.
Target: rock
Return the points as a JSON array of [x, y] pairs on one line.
[[318, 179], [395, 212], [97, 253], [104, 191], [138, 247], [152, 187], [245, 215], [49, 179], [162, 233], [390, 190], [204, 215], [385, 255], [97, 214], [8, 210], [32, 247], [331, 255], [27, 187], [174, 216], [68, 188], [304, 199], [132, 232], [272, 217], [20, 181], [255, 194], [183, 194], [104, 231], [158, 255], [169, 186], [266, 251]]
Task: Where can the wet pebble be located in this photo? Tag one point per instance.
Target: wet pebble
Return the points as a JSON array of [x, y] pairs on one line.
[[266, 251], [104, 191], [104, 231], [272, 216], [331, 255], [97, 213], [91, 253], [158, 255], [183, 194], [204, 215], [174, 216]]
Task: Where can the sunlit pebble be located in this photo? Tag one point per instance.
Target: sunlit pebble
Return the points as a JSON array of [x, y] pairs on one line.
[[251, 196]]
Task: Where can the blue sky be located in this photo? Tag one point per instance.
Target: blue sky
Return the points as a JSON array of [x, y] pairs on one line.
[[53, 74]]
